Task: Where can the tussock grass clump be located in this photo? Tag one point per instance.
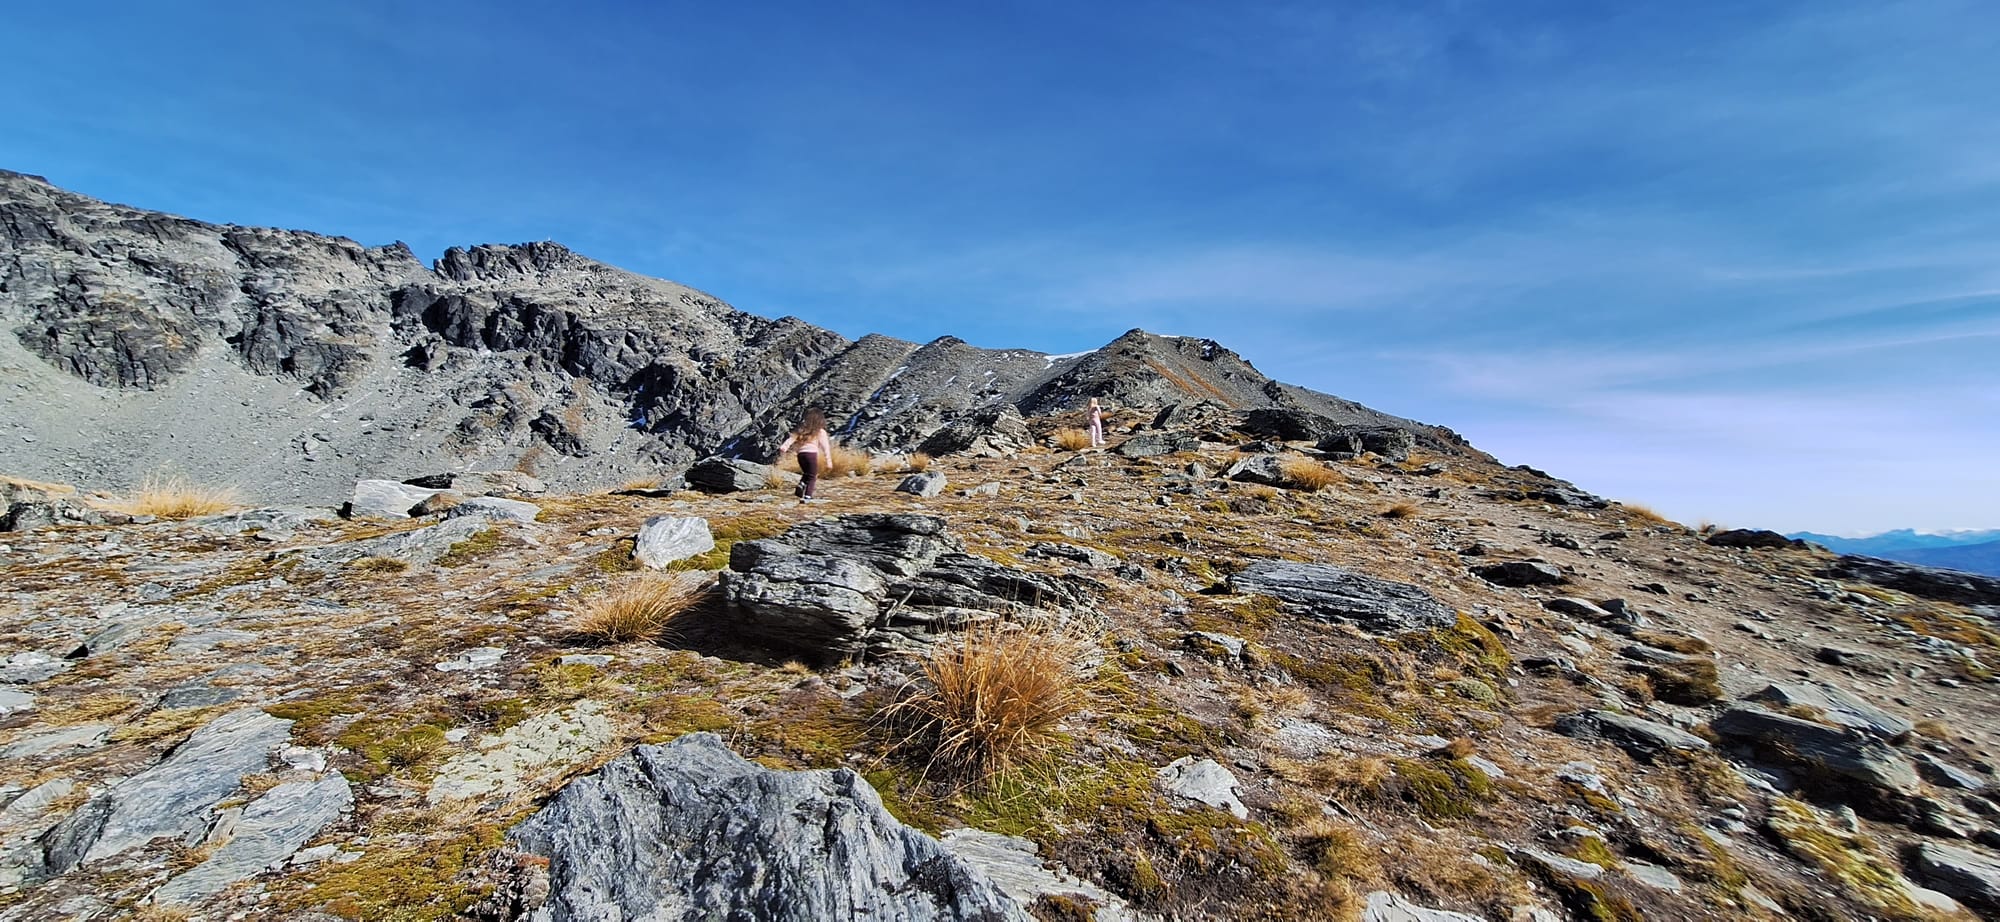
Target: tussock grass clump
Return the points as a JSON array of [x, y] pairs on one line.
[[989, 699], [917, 463], [1402, 510], [849, 462], [640, 484], [1643, 514], [1307, 474], [1070, 438], [39, 486], [643, 609], [177, 497]]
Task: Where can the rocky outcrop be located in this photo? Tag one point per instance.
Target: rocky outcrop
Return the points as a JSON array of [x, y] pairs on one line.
[[1753, 538], [1392, 443], [1519, 573], [1837, 756], [1329, 593], [876, 583], [988, 432], [728, 475], [1929, 582], [667, 832], [1646, 740], [1967, 875]]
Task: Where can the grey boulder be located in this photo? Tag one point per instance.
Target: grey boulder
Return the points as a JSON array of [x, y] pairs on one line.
[[1329, 593], [1850, 756], [664, 539], [1836, 707], [1153, 444], [1521, 573], [690, 831], [1203, 781], [1268, 470], [384, 499], [728, 475], [924, 483]]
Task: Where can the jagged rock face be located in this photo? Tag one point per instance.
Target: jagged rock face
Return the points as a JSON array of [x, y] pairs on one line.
[[1929, 582], [234, 352], [876, 583], [690, 830]]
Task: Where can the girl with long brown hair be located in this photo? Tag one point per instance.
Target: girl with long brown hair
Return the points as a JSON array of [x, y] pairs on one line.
[[815, 449]]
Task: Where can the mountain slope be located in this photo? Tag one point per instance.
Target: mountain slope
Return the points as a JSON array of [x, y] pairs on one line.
[[1971, 551], [144, 341]]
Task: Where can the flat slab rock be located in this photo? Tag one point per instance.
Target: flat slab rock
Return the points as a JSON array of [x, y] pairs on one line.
[[1646, 740], [173, 798], [1384, 906], [691, 830], [1329, 593], [1970, 876]]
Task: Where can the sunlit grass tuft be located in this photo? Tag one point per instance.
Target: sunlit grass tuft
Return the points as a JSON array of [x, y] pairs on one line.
[[990, 698], [177, 497], [642, 609]]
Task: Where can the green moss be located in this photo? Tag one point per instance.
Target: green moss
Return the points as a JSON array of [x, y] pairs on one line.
[[1852, 860], [386, 744], [422, 882], [1442, 788], [312, 717], [477, 545], [1593, 850], [617, 558], [1473, 690], [669, 716], [378, 565]]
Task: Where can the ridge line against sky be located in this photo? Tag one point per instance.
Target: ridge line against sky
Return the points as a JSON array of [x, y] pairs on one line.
[[1738, 263]]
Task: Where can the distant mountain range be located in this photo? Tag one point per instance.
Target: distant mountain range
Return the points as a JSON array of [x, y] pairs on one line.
[[1971, 551]]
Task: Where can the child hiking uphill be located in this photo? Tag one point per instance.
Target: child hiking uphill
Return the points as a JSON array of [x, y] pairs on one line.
[[814, 449]]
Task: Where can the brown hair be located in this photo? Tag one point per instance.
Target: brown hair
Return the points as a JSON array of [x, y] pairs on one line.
[[814, 423]]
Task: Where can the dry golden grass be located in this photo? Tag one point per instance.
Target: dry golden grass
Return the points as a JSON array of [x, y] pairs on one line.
[[643, 609], [1643, 514], [1307, 474], [23, 483], [775, 479], [1072, 439], [989, 698], [1402, 510], [849, 462], [917, 463], [640, 484], [177, 497]]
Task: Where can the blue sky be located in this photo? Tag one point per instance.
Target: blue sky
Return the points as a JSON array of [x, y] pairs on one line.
[[1740, 262]]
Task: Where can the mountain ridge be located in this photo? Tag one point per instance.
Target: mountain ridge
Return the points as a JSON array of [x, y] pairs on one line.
[[233, 350]]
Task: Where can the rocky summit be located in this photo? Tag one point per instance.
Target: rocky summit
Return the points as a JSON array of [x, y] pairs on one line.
[[137, 342], [1265, 655]]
